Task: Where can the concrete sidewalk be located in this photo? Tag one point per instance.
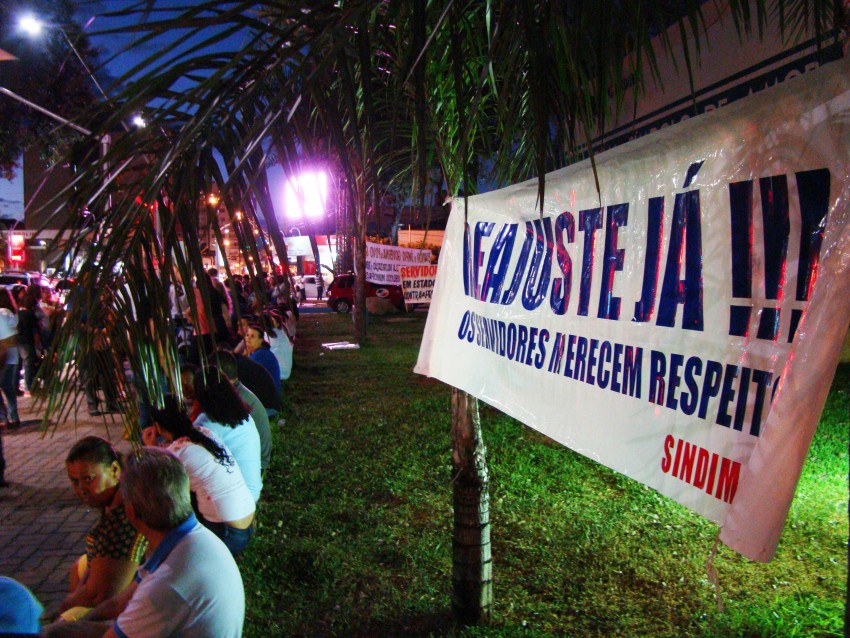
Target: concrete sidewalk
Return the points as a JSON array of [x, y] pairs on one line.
[[42, 523]]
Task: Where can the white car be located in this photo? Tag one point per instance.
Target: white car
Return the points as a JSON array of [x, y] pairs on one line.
[[310, 285], [12, 278]]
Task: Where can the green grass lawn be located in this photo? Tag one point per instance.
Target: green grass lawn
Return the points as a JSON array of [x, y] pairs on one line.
[[356, 520]]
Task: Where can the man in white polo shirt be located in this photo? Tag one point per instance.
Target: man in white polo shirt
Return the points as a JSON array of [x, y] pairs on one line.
[[189, 586]]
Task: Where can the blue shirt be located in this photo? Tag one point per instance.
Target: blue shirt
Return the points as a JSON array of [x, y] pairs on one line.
[[265, 357]]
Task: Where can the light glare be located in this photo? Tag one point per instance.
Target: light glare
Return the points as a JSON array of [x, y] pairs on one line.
[[30, 25], [305, 196]]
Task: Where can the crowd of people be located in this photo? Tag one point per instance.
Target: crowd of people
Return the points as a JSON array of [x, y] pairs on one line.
[[258, 323], [27, 320], [188, 500], [256, 320]]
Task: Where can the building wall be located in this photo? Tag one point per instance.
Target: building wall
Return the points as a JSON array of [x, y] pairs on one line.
[[41, 186]]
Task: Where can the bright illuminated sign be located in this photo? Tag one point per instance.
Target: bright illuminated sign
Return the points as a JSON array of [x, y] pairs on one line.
[[305, 196]]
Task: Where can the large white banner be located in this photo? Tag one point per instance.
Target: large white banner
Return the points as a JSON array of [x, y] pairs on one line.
[[383, 262], [684, 328]]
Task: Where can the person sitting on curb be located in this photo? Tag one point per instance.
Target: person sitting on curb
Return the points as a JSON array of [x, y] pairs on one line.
[[258, 349], [280, 343], [224, 503], [258, 380], [227, 365], [114, 548], [227, 416], [190, 585], [20, 611]]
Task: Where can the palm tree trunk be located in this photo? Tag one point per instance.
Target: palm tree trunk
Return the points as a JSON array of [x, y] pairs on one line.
[[359, 226], [472, 600]]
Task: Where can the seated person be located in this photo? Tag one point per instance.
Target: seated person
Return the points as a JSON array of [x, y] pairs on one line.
[[227, 364], [258, 349], [280, 343], [20, 611], [242, 328], [226, 415], [258, 380], [114, 548], [189, 586], [187, 384], [223, 501]]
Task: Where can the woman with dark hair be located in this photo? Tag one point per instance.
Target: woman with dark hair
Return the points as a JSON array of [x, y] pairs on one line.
[[219, 307], [114, 548], [258, 349], [223, 501], [9, 358], [227, 416]]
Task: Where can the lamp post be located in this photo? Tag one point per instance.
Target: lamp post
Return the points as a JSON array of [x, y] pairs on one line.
[[33, 27], [44, 111]]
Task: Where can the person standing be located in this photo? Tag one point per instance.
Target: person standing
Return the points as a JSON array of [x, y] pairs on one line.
[[220, 307], [203, 328], [9, 356], [30, 336]]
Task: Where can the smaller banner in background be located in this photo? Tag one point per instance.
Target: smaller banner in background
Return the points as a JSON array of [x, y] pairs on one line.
[[417, 282], [383, 262]]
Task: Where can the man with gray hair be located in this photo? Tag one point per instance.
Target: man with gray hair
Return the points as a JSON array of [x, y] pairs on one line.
[[189, 586]]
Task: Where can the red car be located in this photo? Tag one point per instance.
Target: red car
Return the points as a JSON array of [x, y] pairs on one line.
[[341, 293]]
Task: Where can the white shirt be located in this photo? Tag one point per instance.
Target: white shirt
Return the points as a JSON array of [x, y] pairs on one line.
[[9, 328], [189, 587], [244, 442], [282, 350], [221, 491]]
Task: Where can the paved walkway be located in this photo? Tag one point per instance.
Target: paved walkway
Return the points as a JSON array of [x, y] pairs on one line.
[[42, 523]]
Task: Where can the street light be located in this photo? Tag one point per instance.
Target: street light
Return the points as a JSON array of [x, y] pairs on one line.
[[30, 25], [33, 27], [305, 195]]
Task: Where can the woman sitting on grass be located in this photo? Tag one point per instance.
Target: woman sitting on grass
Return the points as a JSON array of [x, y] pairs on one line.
[[114, 548], [227, 416], [257, 348], [223, 502]]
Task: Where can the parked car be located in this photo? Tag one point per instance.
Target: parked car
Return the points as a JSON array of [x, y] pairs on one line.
[[12, 278], [341, 293]]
